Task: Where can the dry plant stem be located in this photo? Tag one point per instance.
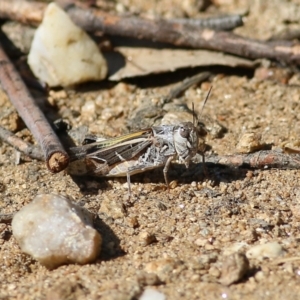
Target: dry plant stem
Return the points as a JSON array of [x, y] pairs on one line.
[[157, 30], [20, 145], [258, 160], [22, 11], [218, 23], [56, 157], [187, 83], [183, 35]]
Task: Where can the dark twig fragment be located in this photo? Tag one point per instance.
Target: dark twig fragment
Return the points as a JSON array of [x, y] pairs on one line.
[[217, 23], [20, 145], [186, 84], [56, 157], [258, 160], [158, 30]]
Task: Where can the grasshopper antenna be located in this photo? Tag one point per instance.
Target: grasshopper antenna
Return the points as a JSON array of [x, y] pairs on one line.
[[203, 150], [195, 117], [205, 100]]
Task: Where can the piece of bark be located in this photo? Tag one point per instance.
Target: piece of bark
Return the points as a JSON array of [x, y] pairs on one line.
[[56, 157], [143, 61], [157, 30]]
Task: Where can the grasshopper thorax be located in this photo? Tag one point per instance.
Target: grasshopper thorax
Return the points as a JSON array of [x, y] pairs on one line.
[[186, 141]]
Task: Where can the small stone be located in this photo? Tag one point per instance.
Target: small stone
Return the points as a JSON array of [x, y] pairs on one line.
[[295, 209], [152, 294], [288, 267], [56, 231], [201, 242], [61, 290], [268, 250], [88, 110], [2, 186], [280, 75], [212, 126], [163, 268], [62, 94], [173, 184], [62, 54], [145, 278], [260, 276], [214, 271], [146, 238], [133, 222], [173, 118], [231, 249], [234, 268], [249, 142], [112, 207]]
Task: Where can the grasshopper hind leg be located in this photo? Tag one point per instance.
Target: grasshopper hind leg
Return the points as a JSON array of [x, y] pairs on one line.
[[129, 184], [205, 170]]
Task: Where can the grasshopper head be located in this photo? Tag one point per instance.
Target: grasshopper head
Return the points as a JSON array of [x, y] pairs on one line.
[[186, 141]]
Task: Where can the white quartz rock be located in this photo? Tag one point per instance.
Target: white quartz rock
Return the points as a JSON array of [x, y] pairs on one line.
[[56, 231], [62, 54], [152, 294], [267, 250]]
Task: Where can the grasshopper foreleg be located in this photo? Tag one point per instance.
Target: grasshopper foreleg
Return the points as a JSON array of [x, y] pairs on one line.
[[166, 169]]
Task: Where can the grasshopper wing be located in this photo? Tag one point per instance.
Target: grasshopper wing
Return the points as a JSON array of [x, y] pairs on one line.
[[98, 157]]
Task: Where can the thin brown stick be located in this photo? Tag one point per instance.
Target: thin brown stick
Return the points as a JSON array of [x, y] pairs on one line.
[[258, 160], [56, 157], [157, 30], [183, 35], [187, 83], [217, 23], [26, 148], [22, 11]]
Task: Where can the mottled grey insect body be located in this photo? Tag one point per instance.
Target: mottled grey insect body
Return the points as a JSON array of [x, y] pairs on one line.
[[136, 152]]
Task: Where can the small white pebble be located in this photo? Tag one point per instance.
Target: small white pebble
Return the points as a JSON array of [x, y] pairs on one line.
[[56, 231], [62, 54], [194, 184], [112, 207], [268, 250], [152, 294], [146, 238], [88, 110], [249, 142]]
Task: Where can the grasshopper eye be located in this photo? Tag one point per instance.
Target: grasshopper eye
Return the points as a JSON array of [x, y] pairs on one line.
[[184, 132]]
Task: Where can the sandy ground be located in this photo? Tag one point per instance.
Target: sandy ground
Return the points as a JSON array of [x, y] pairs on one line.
[[201, 220]]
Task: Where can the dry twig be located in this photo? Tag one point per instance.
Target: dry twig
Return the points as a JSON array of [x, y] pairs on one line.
[[56, 157], [187, 83], [217, 23], [258, 160], [184, 35], [20, 145]]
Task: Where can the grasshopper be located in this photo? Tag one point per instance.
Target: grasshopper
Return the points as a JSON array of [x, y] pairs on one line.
[[137, 152]]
